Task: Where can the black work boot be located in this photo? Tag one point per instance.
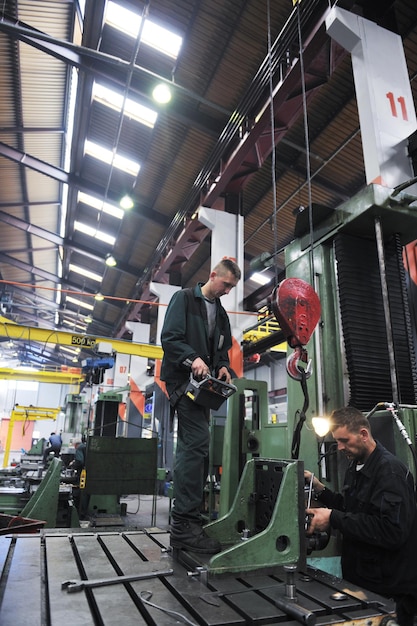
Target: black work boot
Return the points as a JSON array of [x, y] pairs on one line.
[[187, 535]]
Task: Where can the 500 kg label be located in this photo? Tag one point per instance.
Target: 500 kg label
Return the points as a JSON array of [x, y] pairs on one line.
[[79, 340]]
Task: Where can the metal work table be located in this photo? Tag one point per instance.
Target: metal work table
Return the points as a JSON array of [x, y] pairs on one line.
[[33, 568]]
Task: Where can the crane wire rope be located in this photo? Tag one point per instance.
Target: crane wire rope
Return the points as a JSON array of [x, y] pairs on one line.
[[273, 153], [307, 145], [295, 447]]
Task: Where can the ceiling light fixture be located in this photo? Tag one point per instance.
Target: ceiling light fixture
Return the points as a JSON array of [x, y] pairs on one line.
[[99, 297], [126, 202], [162, 93], [110, 260]]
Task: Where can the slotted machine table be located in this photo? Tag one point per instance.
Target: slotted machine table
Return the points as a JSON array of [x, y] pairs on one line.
[[44, 580]]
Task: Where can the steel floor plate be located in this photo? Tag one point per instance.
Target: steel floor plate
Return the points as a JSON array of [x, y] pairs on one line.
[[33, 568]]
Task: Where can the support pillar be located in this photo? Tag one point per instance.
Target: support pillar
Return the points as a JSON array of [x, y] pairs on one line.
[[385, 101]]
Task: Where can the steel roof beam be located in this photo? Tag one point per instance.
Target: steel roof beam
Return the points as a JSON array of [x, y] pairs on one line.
[[116, 70], [72, 180], [16, 222]]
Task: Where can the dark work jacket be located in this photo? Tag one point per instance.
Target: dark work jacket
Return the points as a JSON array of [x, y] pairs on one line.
[[184, 336], [376, 514]]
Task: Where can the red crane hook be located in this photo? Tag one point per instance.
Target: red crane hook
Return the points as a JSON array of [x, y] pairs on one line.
[[297, 308]]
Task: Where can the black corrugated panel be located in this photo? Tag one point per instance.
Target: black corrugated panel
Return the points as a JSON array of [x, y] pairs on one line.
[[364, 327]]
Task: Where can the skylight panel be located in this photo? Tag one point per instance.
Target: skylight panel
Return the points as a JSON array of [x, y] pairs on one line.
[[80, 303], [103, 154], [158, 37], [132, 109], [93, 232], [96, 203], [74, 325], [260, 278], [85, 272], [72, 351]]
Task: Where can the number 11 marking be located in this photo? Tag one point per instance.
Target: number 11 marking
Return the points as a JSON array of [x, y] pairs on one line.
[[393, 106]]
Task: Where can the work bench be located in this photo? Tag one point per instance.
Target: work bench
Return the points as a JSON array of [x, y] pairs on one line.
[[37, 571]]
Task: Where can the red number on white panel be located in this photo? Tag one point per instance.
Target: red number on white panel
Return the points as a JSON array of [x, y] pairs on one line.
[[393, 105]]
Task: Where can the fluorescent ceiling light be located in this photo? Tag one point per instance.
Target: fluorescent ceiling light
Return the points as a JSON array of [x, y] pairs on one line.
[[74, 325], [72, 351], [131, 109], [84, 272], [93, 232], [107, 156], [153, 35], [260, 278], [96, 203], [90, 307]]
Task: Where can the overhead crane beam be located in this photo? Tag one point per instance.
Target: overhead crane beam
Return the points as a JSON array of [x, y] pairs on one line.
[[43, 376], [86, 342]]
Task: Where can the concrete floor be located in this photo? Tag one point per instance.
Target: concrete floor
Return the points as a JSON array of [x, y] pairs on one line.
[[139, 511]]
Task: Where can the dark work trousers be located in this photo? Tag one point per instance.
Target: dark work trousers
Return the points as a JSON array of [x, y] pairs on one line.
[[191, 456], [406, 608], [56, 450]]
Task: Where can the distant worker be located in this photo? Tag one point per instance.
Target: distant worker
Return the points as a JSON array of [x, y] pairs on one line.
[[81, 499], [55, 444], [195, 337], [78, 463], [376, 514]]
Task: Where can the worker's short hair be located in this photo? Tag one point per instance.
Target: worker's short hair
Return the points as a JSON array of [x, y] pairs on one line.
[[228, 265], [350, 417], [77, 442]]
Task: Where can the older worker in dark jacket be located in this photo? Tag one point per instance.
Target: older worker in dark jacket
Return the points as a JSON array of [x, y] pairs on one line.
[[376, 514], [196, 337]]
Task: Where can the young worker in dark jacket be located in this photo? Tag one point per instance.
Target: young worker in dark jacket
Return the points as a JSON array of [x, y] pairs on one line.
[[376, 514], [195, 337]]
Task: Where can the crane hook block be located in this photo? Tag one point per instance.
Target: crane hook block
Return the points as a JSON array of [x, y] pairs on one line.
[[297, 308]]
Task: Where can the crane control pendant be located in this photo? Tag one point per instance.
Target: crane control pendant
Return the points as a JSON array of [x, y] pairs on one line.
[[209, 392]]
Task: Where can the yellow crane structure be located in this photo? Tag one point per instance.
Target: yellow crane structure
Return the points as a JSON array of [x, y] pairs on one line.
[[26, 414], [15, 332], [72, 376]]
